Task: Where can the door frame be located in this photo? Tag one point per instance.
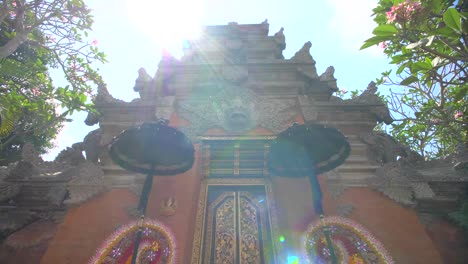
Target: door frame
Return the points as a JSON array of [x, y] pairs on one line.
[[198, 240]]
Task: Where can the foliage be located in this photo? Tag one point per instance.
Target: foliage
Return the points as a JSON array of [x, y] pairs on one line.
[[35, 37], [427, 43]]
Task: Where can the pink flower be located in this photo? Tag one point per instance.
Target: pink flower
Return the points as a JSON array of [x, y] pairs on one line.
[[51, 38], [391, 16], [403, 12], [383, 45], [95, 42], [343, 91], [64, 19], [458, 114], [36, 91]]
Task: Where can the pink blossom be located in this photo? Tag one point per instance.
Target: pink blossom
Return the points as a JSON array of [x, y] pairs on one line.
[[95, 42], [404, 12], [36, 91], [51, 38], [458, 114], [383, 45], [13, 4], [64, 19], [343, 91]]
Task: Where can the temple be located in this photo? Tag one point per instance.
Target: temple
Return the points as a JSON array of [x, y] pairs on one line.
[[231, 93]]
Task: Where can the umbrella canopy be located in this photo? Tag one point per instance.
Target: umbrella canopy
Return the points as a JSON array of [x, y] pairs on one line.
[[304, 149], [153, 148]]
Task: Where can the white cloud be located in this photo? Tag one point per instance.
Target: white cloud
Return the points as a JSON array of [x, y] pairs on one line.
[[352, 22]]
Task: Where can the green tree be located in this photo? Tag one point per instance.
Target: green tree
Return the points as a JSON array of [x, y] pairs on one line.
[[427, 42], [37, 36]]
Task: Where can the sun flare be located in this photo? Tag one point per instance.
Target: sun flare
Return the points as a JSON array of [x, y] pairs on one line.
[[167, 22]]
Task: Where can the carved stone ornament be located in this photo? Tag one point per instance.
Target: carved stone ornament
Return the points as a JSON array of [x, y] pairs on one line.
[[86, 182], [383, 148], [236, 110], [393, 183], [369, 97], [234, 73], [168, 206]]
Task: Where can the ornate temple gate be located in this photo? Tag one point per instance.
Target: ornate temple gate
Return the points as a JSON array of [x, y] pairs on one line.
[[236, 220]]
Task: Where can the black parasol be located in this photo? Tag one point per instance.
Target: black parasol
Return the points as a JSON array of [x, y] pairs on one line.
[[153, 149], [308, 150], [302, 149]]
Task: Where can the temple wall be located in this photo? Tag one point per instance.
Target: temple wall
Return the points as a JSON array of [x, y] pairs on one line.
[[87, 226], [396, 227]]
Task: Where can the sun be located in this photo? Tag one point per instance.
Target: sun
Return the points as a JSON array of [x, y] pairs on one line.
[[166, 22]]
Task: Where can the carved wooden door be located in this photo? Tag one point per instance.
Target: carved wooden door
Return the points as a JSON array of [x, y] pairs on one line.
[[235, 217], [237, 226]]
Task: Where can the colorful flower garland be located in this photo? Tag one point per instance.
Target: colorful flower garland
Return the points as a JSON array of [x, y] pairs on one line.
[[352, 242], [157, 246]]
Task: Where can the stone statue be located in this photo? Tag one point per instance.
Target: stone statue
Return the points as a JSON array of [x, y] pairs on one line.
[[142, 82], [280, 41]]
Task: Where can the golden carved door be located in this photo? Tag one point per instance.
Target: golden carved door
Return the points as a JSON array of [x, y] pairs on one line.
[[237, 227], [235, 217]]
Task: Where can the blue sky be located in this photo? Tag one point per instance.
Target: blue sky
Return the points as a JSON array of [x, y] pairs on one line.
[[133, 32]]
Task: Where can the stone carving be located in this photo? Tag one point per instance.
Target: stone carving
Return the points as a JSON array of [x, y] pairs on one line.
[[166, 70], [383, 148], [87, 181], [92, 145], [234, 74], [8, 190], [235, 109], [142, 83], [303, 55], [393, 182], [57, 194], [168, 206], [30, 154], [234, 45], [72, 155], [280, 40], [461, 159], [103, 96], [369, 97], [92, 118], [328, 77], [422, 190]]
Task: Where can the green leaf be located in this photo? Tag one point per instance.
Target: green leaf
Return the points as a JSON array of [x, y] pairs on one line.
[[461, 93], [452, 19], [402, 67], [373, 41], [421, 66], [385, 30], [409, 80]]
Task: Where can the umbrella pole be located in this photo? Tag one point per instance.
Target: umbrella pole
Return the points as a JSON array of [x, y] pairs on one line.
[[317, 199], [142, 209]]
